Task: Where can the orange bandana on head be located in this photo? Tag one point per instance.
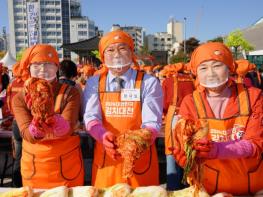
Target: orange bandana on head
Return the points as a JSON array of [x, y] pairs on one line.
[[172, 69], [16, 70], [212, 51], [243, 67], [34, 54], [117, 36], [178, 67]]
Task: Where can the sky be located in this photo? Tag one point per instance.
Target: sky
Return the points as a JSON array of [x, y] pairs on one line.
[[205, 19]]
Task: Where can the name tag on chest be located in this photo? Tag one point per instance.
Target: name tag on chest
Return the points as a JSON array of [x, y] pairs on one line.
[[130, 95]]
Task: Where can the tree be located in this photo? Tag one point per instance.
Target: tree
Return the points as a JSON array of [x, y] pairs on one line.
[[237, 41], [19, 54], [95, 53], [144, 50], [178, 57], [191, 44], [217, 39]]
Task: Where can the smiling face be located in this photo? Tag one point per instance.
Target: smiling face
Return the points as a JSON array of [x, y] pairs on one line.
[[118, 58], [212, 74], [43, 70]]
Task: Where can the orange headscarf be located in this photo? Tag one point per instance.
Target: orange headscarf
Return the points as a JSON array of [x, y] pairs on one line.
[[36, 53], [172, 69], [117, 36], [212, 51], [16, 70], [178, 67], [243, 67]]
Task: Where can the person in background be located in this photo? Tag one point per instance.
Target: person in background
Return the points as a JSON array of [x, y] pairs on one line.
[[242, 68], [13, 88], [51, 154], [5, 115], [232, 150], [68, 72], [104, 122], [5, 77], [175, 88]]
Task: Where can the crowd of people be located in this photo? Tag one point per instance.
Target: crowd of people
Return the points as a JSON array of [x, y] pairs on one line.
[[50, 100]]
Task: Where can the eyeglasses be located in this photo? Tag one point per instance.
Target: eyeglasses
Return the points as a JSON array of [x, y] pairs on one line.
[[44, 66], [39, 65], [110, 51]]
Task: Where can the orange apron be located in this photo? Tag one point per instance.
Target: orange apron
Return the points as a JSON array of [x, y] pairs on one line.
[[119, 116], [53, 163], [235, 176], [172, 112]]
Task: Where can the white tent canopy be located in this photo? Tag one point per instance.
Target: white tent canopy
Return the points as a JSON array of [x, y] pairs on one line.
[[259, 52], [8, 60]]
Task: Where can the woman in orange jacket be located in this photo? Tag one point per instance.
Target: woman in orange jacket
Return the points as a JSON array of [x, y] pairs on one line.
[[46, 113], [232, 151]]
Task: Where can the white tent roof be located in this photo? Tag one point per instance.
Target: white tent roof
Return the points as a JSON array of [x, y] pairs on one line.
[[8, 60], [259, 52]]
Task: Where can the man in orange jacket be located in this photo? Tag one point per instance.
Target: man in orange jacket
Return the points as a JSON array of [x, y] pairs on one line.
[[232, 151], [110, 113]]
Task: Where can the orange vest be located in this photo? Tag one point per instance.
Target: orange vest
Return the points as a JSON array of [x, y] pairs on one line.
[[119, 116], [173, 111], [235, 176], [53, 163]]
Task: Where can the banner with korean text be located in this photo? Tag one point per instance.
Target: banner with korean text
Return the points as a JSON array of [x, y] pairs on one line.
[[32, 22]]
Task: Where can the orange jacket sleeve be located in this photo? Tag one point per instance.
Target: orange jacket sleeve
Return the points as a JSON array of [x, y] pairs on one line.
[[254, 129], [23, 116], [71, 110]]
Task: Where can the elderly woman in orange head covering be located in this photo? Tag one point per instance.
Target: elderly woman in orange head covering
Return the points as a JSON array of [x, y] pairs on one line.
[[119, 102], [46, 113], [232, 148]]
